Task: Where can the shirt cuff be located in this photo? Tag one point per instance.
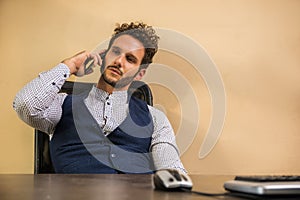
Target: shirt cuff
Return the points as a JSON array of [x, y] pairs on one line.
[[56, 77]]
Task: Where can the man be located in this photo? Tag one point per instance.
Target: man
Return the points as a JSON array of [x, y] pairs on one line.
[[103, 130]]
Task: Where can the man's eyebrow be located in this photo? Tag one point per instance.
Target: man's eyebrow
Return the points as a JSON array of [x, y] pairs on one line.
[[116, 47]]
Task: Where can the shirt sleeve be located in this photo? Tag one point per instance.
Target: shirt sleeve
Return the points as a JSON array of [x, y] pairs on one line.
[[164, 149], [38, 103]]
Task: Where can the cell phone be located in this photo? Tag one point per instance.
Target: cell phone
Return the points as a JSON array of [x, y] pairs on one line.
[[89, 63]]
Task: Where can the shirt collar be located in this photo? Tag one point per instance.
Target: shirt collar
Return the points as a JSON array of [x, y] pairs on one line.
[[116, 96]]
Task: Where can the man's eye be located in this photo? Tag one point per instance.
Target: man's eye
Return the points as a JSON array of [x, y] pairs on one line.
[[116, 51], [131, 59]]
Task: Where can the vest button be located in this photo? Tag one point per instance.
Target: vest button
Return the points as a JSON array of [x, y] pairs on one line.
[[113, 155]]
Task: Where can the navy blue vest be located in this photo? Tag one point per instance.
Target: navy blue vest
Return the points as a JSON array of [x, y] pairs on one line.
[[79, 145]]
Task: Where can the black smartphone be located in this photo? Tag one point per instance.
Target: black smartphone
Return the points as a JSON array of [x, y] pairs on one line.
[[89, 63]]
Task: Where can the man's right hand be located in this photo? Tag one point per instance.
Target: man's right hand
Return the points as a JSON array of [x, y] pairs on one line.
[[76, 62]]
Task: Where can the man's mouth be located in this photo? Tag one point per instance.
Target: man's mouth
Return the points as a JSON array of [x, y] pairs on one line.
[[115, 70]]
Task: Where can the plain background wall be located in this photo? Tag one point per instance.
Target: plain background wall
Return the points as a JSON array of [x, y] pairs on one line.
[[254, 43]]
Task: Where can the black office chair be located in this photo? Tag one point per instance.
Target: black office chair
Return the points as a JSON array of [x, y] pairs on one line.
[[42, 159]]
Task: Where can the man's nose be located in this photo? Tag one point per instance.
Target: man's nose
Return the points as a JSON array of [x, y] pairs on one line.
[[119, 61]]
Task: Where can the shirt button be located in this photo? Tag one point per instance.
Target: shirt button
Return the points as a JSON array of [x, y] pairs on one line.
[[53, 83], [107, 103], [113, 155]]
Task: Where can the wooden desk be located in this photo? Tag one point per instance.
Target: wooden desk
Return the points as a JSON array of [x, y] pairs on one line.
[[106, 186]]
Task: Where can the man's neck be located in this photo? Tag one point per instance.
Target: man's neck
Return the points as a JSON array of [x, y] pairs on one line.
[[108, 88]]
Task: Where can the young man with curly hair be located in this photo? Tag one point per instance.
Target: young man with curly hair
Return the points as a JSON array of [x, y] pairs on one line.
[[103, 130]]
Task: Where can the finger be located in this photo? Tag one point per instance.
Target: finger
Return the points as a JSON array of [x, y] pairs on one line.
[[89, 71], [97, 59], [80, 72], [101, 55], [102, 51], [80, 58]]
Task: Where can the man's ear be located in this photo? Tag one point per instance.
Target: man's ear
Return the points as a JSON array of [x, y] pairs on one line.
[[140, 74]]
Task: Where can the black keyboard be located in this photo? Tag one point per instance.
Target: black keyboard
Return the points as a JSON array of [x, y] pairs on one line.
[[268, 178]]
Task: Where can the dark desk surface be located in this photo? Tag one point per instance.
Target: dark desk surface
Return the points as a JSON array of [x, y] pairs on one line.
[[106, 186]]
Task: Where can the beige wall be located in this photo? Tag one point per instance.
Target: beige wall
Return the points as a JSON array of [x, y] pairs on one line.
[[254, 43]]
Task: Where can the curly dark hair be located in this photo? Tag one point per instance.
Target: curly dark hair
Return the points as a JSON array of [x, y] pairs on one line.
[[142, 32]]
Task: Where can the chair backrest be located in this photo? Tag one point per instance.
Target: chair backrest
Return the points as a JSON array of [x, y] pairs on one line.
[[42, 159]]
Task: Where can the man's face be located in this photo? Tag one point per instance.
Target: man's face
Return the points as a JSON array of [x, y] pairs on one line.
[[122, 62]]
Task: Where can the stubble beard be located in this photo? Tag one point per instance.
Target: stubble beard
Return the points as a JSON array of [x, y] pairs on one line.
[[122, 82]]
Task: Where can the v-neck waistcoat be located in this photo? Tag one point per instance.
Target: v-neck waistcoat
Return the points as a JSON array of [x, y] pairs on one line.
[[79, 145]]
